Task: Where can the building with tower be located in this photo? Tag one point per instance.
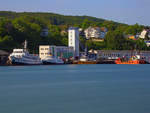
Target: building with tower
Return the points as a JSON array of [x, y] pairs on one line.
[[73, 40]]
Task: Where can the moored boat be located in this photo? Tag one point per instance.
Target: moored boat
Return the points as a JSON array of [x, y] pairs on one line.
[[133, 60], [52, 60], [22, 57]]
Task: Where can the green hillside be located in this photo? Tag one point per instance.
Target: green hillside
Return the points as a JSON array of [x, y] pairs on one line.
[[15, 27]]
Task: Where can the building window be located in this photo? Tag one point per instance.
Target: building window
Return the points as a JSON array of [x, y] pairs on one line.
[[42, 48], [46, 48]]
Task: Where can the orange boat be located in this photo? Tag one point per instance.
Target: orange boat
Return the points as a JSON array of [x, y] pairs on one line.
[[132, 60]]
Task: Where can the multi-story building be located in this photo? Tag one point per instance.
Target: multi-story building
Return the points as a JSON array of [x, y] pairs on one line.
[[95, 32], [92, 32], [62, 52], [73, 40]]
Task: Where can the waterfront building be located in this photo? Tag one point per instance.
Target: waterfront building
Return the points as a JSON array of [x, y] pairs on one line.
[[62, 52], [3, 57], [115, 54], [73, 40]]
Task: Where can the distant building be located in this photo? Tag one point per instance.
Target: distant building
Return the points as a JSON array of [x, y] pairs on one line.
[[95, 32], [3, 56], [73, 40], [132, 37], [147, 42], [104, 29], [92, 32], [63, 32], [44, 32], [56, 51], [81, 32], [143, 34]]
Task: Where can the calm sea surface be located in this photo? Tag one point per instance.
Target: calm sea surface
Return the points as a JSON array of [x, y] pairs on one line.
[[75, 89]]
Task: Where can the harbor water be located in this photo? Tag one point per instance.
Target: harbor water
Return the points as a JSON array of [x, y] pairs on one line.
[[75, 89]]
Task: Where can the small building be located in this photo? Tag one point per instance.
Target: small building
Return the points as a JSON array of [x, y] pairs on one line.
[[95, 32], [62, 52], [44, 32], [73, 40], [147, 42], [132, 37], [3, 56], [143, 34], [92, 32], [63, 32]]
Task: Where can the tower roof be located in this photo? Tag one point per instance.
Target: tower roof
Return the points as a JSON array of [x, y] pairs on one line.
[[73, 28]]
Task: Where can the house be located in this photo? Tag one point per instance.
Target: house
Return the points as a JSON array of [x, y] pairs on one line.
[[132, 37], [147, 42], [63, 32], [81, 32], [95, 32], [44, 32], [92, 32], [143, 34]]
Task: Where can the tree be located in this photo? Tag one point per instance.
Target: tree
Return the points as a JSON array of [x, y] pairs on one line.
[[86, 23]]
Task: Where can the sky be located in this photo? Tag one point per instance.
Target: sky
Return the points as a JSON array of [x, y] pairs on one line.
[[124, 11]]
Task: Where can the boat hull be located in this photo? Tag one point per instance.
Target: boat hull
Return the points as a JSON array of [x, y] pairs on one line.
[[51, 63], [85, 62], [19, 61], [130, 62]]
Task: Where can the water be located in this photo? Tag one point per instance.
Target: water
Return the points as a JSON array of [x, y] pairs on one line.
[[75, 89]]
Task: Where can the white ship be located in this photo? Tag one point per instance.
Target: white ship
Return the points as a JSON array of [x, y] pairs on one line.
[[22, 57], [52, 60]]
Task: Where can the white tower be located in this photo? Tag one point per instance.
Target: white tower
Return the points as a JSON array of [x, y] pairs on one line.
[[73, 41]]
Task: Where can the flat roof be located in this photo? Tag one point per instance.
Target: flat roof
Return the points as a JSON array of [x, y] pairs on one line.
[[73, 28]]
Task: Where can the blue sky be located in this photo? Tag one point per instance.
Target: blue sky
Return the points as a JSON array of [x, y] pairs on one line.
[[125, 11]]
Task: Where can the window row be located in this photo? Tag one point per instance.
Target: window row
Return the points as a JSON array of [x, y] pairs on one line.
[[44, 48]]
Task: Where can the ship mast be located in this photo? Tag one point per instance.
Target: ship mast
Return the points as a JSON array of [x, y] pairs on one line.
[[25, 45]]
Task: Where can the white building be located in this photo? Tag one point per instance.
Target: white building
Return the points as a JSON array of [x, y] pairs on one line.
[[73, 40], [62, 52], [143, 34], [147, 43], [95, 32], [92, 32]]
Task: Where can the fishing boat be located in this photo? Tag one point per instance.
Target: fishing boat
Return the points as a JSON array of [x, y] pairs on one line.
[[22, 57], [133, 60]]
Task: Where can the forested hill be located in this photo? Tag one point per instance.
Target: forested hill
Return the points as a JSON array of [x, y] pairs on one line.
[[15, 27], [55, 19]]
